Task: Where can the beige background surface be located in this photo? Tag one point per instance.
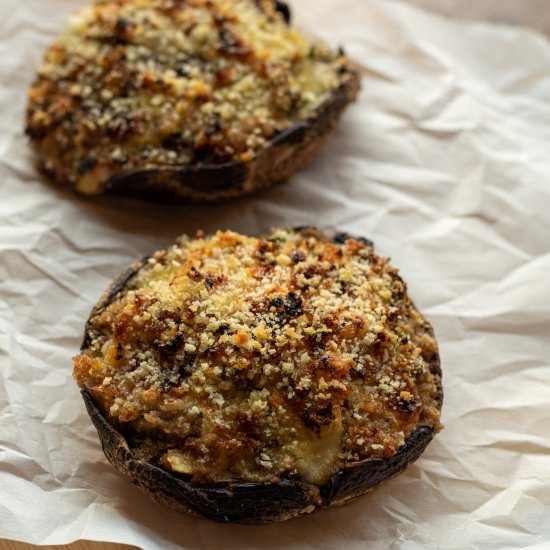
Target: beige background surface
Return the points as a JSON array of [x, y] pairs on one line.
[[534, 13], [529, 12]]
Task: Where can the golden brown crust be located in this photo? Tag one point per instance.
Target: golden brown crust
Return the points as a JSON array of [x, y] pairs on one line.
[[158, 97], [250, 502], [236, 357]]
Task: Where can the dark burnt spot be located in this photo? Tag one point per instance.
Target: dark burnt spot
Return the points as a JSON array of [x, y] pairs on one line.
[[366, 242], [35, 131], [343, 69], [281, 7], [316, 342], [302, 393], [264, 246], [215, 352], [298, 257], [381, 340], [293, 305], [231, 44], [344, 287], [247, 426], [180, 367], [119, 125], [195, 275], [172, 345], [310, 272], [167, 314], [260, 307], [184, 364], [359, 371], [284, 9], [220, 20], [399, 287], [86, 165], [393, 314], [287, 308], [211, 280], [183, 71], [407, 406], [173, 141], [215, 127], [118, 351], [222, 329], [358, 324], [122, 25], [331, 322], [121, 33], [341, 238], [315, 419]]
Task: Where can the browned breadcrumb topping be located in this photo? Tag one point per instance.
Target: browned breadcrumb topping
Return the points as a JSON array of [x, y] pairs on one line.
[[136, 84], [257, 358]]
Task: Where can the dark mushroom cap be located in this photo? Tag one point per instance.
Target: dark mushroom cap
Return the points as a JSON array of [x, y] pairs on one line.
[[165, 100], [244, 501]]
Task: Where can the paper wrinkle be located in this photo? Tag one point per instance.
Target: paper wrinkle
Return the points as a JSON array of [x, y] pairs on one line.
[[443, 162]]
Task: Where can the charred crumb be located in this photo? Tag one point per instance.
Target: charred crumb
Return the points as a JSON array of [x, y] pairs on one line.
[[213, 128], [293, 305], [407, 404], [172, 345], [341, 238], [121, 31], [284, 9], [222, 329], [86, 165], [119, 350], [231, 44], [315, 419], [173, 141], [210, 281], [298, 257]]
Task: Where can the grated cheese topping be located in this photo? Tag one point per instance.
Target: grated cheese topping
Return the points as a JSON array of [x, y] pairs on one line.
[[134, 84], [260, 358]]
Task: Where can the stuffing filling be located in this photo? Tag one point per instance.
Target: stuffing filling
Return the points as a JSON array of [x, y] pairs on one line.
[[258, 358], [134, 84]]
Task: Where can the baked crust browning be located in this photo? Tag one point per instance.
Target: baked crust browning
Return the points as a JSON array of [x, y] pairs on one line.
[[199, 99], [354, 427]]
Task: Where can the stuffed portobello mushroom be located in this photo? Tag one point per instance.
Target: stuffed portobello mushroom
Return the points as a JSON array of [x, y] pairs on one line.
[[202, 99], [253, 379]]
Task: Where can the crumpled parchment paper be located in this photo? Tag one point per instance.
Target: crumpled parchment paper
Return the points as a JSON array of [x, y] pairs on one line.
[[444, 162]]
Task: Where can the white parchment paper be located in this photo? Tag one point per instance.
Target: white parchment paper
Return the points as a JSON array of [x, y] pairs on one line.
[[444, 162]]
